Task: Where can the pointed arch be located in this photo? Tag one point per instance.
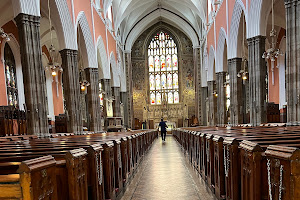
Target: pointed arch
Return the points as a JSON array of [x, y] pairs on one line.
[[103, 66], [220, 51], [238, 9], [89, 53]]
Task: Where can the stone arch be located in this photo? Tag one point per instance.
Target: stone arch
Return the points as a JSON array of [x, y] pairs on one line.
[[89, 54], [14, 45], [115, 80], [62, 22], [103, 67], [220, 51], [255, 15], [30, 7], [211, 65], [238, 9]]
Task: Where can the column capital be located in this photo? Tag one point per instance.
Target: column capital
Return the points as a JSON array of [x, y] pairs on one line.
[[25, 18], [289, 3]]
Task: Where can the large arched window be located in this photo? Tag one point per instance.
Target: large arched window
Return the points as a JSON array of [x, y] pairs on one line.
[[10, 75], [163, 70]]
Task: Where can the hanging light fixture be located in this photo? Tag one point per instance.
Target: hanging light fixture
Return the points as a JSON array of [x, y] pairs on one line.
[[243, 72], [52, 65], [272, 52]]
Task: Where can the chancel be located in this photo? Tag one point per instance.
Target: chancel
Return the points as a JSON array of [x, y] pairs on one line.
[[85, 85]]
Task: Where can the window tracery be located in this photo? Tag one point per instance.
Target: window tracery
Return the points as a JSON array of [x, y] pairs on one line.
[[163, 70]]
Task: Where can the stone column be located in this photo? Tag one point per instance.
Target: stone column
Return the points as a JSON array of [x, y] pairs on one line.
[[198, 89], [203, 99], [292, 10], [128, 68], [71, 89], [94, 110], [221, 99], [212, 103], [257, 80], [236, 89], [107, 96], [33, 73], [116, 102], [124, 100]]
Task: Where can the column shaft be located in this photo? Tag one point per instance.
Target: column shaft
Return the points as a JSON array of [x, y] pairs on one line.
[[236, 100], [33, 73], [212, 103], [257, 80], [292, 8], [221, 99], [94, 109], [203, 99], [71, 89], [129, 89], [116, 102]]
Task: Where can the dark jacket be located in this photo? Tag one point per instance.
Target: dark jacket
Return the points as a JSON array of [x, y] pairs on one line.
[[163, 126]]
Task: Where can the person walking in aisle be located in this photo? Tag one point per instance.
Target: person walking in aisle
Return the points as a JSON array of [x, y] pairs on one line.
[[163, 129]]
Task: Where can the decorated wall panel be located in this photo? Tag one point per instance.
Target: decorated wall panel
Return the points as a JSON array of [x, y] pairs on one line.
[[148, 100]]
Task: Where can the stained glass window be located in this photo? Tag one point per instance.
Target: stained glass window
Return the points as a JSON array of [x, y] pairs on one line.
[[10, 74], [163, 69]]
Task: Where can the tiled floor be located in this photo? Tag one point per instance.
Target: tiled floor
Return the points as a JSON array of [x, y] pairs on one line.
[[165, 175]]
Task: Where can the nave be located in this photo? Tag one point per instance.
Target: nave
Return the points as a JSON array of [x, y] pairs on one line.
[[165, 174]]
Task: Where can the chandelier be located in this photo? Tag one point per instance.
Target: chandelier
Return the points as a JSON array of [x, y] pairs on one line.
[[273, 52], [4, 35], [52, 65]]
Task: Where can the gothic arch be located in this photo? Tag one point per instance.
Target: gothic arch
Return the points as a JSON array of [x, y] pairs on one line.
[[220, 51], [63, 22], [238, 9], [103, 67], [211, 63], [89, 53], [151, 19]]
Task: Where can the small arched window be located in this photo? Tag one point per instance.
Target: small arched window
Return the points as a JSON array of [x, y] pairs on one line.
[[163, 70], [10, 76]]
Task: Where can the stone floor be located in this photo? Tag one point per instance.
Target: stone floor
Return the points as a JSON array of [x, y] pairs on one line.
[[166, 175]]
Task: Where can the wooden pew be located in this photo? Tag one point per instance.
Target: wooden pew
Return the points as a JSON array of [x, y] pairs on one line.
[[283, 174], [59, 146], [36, 179], [95, 178]]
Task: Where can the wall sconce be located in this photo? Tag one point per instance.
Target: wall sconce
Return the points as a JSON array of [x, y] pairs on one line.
[[84, 84], [4, 35], [215, 93]]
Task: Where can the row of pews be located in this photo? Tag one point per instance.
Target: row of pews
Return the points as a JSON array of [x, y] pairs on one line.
[[245, 163], [75, 167]]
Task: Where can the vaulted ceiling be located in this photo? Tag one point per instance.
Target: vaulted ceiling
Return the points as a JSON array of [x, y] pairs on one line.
[[132, 17]]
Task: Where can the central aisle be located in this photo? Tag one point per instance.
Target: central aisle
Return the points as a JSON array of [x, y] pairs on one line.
[[165, 174]]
